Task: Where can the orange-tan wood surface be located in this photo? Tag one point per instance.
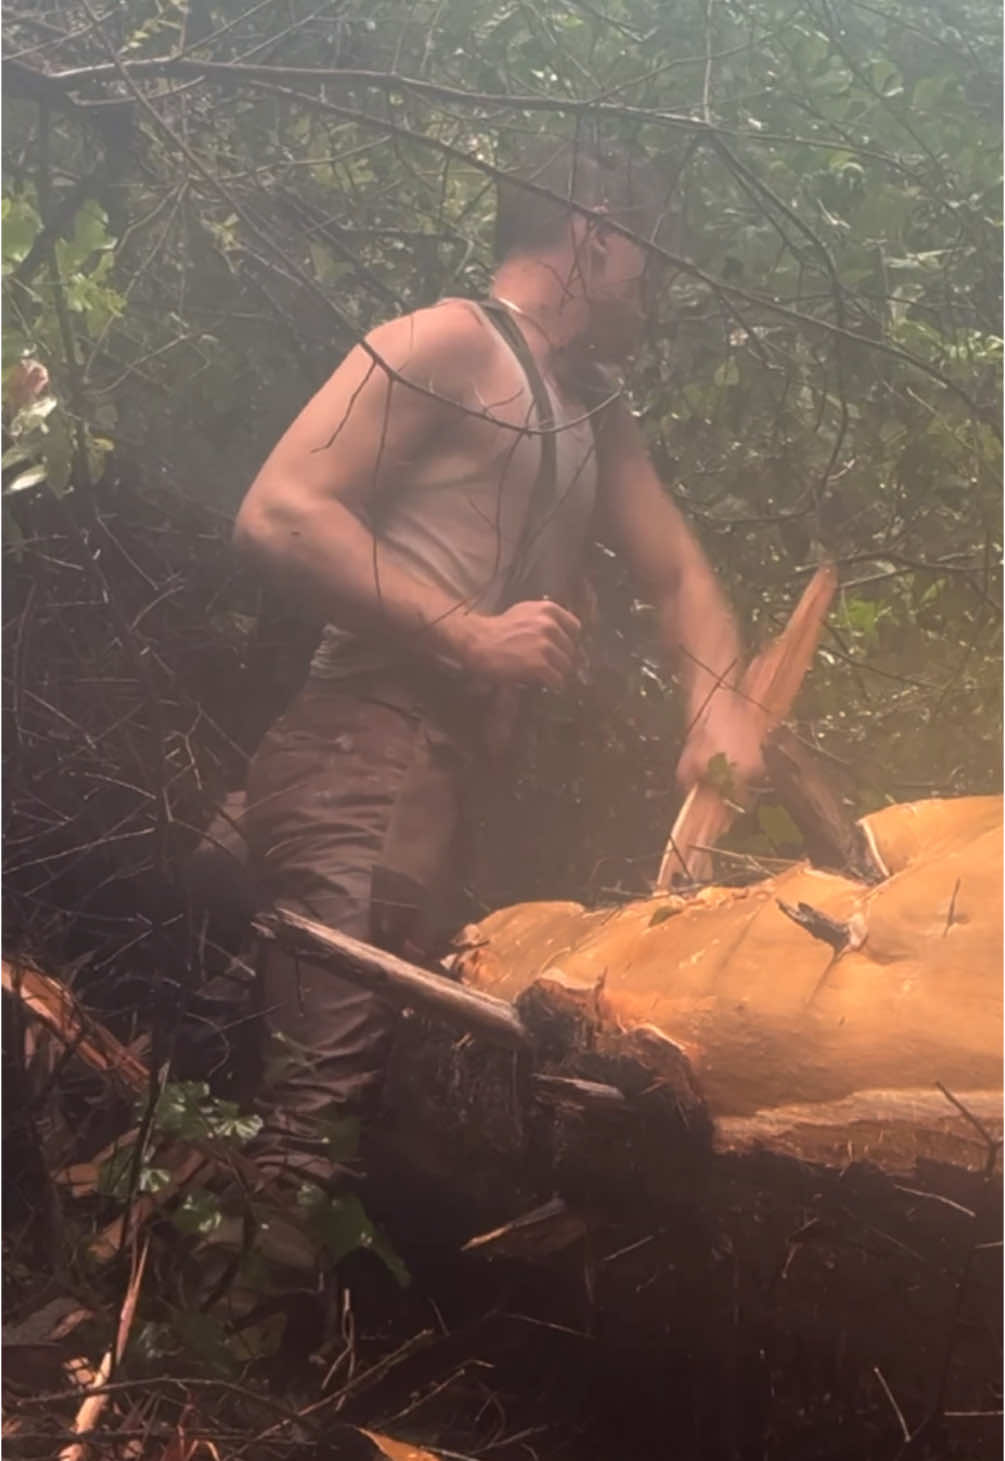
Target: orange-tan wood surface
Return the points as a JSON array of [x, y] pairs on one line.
[[829, 1055]]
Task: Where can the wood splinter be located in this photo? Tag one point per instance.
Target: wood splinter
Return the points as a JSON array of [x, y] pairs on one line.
[[839, 934], [585, 1095], [832, 837]]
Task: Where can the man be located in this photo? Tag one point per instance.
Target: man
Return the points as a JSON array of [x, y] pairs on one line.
[[433, 501]]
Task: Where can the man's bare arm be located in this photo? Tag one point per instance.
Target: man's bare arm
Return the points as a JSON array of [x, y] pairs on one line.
[[696, 626], [303, 519]]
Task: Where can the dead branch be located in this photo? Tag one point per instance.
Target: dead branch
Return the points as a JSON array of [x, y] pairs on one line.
[[52, 1003], [402, 984]]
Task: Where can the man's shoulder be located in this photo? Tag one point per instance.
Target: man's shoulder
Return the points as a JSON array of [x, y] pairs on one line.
[[452, 332]]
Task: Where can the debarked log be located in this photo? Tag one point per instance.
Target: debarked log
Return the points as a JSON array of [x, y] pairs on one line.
[[807, 992], [725, 1014]]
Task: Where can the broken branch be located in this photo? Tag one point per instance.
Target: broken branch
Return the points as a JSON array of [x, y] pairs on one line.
[[399, 982]]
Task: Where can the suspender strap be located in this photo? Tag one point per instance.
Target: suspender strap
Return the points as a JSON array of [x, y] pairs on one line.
[[543, 491]]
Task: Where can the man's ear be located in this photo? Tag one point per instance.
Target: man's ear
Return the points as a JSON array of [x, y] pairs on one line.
[[590, 242]]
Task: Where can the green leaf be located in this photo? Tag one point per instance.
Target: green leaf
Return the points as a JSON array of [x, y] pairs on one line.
[[861, 617], [21, 226], [33, 415], [16, 347], [886, 77], [695, 398], [727, 373], [90, 229], [200, 1213], [151, 1342], [154, 1179], [341, 1225], [327, 267], [113, 1174], [779, 828], [187, 1110], [33, 477], [927, 92], [259, 1341], [57, 453], [720, 774], [98, 448], [204, 1337]]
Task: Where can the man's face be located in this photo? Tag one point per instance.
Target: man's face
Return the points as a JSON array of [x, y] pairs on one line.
[[617, 280]]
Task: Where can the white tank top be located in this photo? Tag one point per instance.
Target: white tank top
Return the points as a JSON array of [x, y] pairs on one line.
[[459, 529]]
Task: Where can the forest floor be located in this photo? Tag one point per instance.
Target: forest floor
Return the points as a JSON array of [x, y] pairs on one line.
[[141, 1321]]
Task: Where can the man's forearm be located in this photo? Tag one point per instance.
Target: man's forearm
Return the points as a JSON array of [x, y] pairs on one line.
[[332, 563], [698, 633]]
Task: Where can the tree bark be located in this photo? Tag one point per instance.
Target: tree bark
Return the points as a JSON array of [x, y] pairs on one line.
[[833, 838]]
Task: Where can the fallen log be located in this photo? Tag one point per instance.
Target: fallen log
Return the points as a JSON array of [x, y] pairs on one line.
[[811, 1013], [790, 1144], [804, 1168], [772, 1016]]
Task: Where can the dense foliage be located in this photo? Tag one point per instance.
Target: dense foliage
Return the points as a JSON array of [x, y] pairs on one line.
[[206, 203]]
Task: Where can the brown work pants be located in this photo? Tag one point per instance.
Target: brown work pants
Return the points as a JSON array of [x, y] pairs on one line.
[[356, 817]]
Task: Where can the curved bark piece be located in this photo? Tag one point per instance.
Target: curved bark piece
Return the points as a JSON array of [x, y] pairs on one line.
[[771, 682]]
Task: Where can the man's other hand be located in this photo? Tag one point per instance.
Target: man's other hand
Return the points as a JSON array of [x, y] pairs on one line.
[[532, 643], [732, 728]]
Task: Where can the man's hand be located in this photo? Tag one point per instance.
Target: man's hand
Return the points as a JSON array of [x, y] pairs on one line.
[[585, 604], [532, 643], [732, 727]]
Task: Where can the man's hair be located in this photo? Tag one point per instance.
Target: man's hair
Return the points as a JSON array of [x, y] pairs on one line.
[[620, 184]]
